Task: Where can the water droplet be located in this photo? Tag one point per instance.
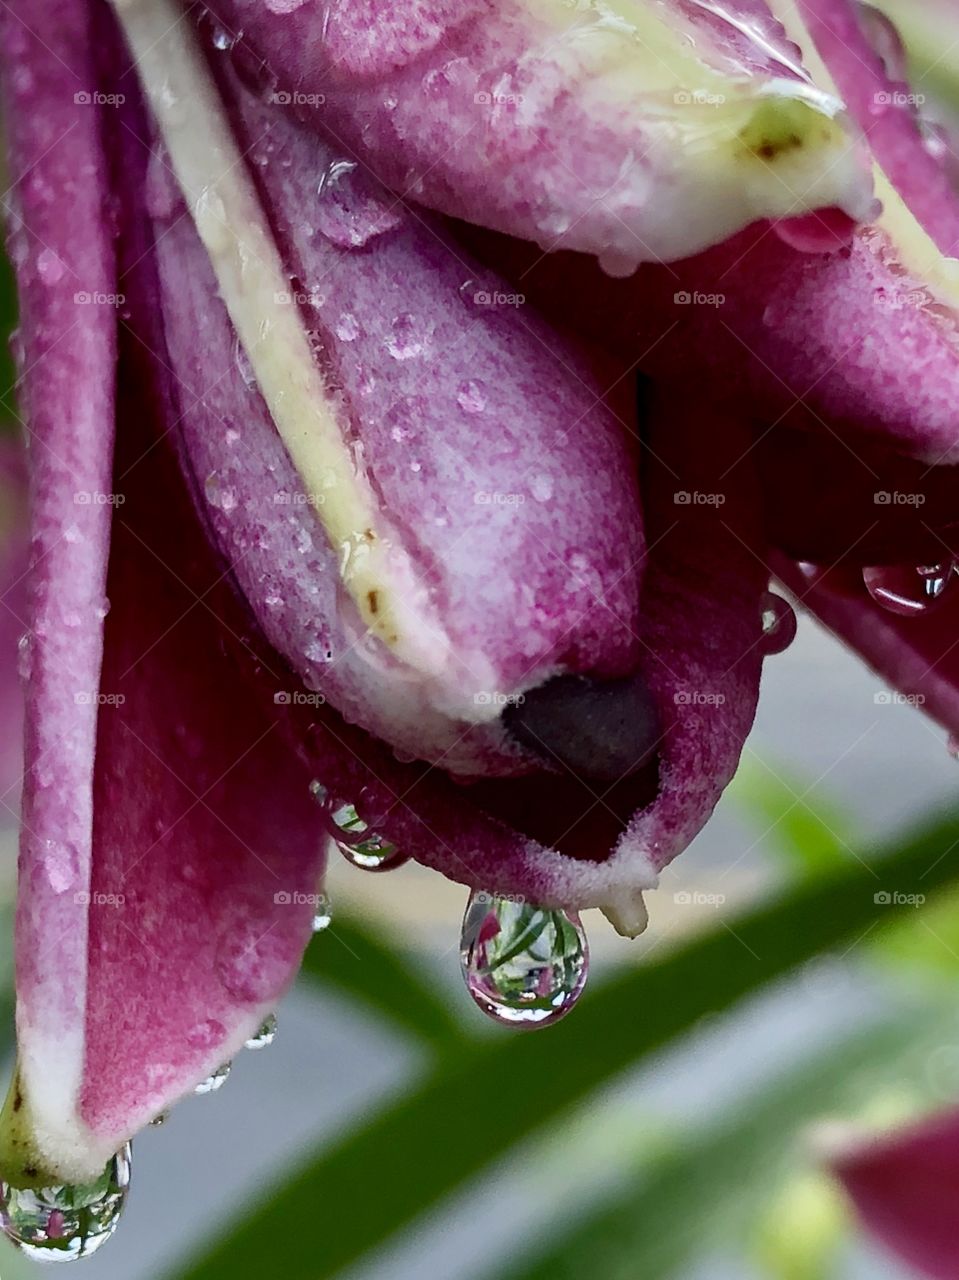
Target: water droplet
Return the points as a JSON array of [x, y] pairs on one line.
[[359, 843], [218, 494], [242, 362], [265, 1036], [541, 487], [222, 38], [406, 338], [215, 1081], [779, 623], [347, 328], [905, 589], [49, 267], [159, 1120], [471, 396], [25, 656], [284, 6], [324, 916], [523, 965], [335, 172], [63, 1223]]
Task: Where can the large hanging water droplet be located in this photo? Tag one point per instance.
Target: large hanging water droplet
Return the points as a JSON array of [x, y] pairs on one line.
[[906, 590], [63, 1223], [265, 1035], [215, 1081], [779, 623], [523, 965]]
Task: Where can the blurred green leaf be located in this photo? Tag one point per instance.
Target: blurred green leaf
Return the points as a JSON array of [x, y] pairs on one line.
[[925, 940], [812, 836], [472, 1111], [371, 970], [705, 1191]]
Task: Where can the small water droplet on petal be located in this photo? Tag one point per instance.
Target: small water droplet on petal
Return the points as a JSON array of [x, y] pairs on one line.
[[407, 338], [63, 1223], [906, 590], [779, 623], [214, 1081], [523, 965], [265, 1035], [471, 396], [359, 843], [222, 38]]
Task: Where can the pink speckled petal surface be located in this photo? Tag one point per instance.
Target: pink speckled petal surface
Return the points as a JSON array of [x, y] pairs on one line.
[[484, 433], [208, 847]]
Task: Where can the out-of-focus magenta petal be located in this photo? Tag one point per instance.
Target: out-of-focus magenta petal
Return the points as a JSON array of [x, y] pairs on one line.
[[638, 136], [906, 1190]]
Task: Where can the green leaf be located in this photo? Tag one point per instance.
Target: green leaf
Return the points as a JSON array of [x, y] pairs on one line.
[[372, 971], [925, 940], [473, 1110], [812, 838], [706, 1191]]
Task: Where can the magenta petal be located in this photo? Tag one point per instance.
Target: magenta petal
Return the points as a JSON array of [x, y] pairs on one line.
[[886, 111], [906, 1190], [850, 343], [702, 617], [170, 851], [207, 843], [483, 433], [641, 137], [918, 656], [67, 279]]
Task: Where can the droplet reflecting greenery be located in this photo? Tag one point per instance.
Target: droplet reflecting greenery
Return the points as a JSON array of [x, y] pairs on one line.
[[523, 965], [265, 1035], [63, 1223], [214, 1081]]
